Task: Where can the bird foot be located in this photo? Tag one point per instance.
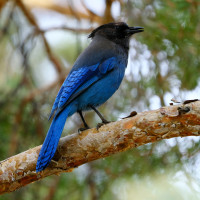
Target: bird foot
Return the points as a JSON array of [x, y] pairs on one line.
[[83, 129], [99, 125]]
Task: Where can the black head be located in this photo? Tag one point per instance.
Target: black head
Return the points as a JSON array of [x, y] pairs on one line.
[[118, 32]]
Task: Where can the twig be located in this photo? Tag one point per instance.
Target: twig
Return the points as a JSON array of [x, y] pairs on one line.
[[61, 9], [5, 27], [91, 13], [32, 20], [76, 30], [107, 13]]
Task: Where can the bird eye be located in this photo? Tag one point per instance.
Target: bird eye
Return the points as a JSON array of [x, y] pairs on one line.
[[121, 28]]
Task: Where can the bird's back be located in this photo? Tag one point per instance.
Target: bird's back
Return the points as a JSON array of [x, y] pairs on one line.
[[99, 50]]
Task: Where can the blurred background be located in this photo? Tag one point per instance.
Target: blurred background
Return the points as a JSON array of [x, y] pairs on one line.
[[39, 42]]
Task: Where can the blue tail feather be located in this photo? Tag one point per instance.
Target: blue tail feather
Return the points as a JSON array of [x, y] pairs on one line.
[[51, 141]]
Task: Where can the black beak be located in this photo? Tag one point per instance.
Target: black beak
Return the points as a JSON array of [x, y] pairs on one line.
[[136, 29]]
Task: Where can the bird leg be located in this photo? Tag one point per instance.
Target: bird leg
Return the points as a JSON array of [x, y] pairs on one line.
[[104, 121], [84, 122]]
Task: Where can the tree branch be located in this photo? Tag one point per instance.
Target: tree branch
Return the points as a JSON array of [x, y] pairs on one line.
[[65, 10], [77, 149]]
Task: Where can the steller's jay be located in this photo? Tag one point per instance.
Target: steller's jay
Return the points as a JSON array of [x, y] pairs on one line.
[[94, 78]]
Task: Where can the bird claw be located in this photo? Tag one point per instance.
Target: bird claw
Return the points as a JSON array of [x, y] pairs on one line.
[[99, 125], [83, 129]]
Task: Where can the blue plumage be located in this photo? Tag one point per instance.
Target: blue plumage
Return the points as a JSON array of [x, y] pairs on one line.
[[95, 76]]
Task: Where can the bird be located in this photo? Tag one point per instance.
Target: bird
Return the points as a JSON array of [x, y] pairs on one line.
[[94, 78]]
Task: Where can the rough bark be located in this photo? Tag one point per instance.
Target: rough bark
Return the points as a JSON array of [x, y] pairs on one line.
[[77, 149]]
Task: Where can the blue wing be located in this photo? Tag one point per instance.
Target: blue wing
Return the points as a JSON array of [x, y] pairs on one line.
[[79, 80]]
